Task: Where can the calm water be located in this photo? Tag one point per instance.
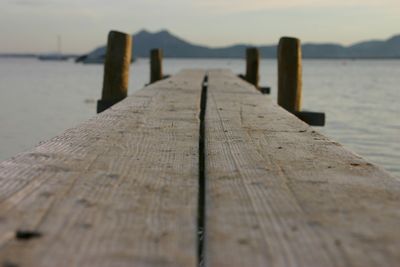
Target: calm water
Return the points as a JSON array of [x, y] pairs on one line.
[[360, 98]]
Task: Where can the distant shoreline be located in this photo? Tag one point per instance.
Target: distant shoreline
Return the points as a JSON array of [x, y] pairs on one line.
[[29, 55], [16, 55], [176, 47]]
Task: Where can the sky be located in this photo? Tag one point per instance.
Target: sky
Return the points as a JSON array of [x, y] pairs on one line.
[[33, 25]]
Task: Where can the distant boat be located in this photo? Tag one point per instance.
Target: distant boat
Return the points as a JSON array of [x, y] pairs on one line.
[[93, 59], [86, 59], [54, 56]]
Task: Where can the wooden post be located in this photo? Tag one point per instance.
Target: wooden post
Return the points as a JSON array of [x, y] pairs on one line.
[[290, 81], [116, 70], [252, 65], [155, 65], [289, 74]]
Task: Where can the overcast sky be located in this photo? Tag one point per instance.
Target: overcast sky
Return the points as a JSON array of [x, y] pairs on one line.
[[33, 25]]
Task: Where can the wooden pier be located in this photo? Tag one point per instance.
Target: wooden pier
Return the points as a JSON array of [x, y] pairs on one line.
[[199, 169]]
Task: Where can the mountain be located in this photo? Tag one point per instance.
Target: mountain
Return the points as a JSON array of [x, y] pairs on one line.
[[379, 49], [176, 47]]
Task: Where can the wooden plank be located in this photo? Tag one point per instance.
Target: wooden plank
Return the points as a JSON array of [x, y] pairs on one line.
[[281, 194], [118, 190], [310, 117]]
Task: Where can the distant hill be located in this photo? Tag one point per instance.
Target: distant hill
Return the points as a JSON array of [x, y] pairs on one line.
[[176, 47]]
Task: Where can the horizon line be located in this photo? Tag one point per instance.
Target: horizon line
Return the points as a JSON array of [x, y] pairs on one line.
[[209, 46]]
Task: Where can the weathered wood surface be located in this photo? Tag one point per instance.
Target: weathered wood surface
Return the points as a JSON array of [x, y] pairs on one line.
[[123, 188], [119, 190], [281, 194]]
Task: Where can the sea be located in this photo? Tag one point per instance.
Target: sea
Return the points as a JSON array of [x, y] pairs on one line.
[[361, 99]]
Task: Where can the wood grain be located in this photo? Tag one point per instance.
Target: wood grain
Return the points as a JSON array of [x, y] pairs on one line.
[[122, 188], [118, 190], [281, 194]]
